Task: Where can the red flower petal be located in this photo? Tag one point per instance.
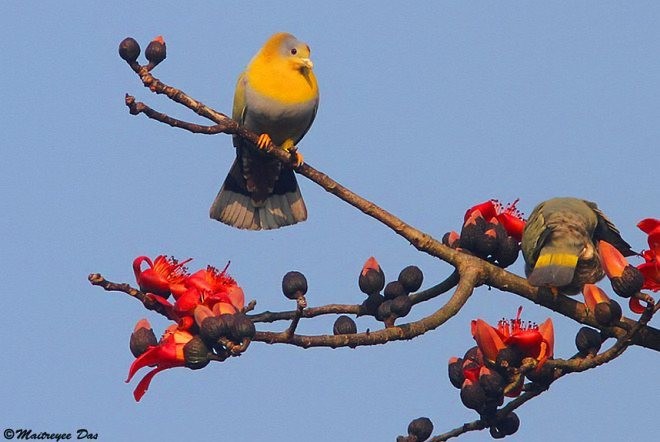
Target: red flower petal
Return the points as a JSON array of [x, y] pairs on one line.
[[635, 305], [486, 209], [370, 264], [614, 263], [144, 383], [512, 224], [593, 295], [489, 339]]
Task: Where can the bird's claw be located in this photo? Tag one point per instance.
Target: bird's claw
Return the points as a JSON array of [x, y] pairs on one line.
[[264, 141]]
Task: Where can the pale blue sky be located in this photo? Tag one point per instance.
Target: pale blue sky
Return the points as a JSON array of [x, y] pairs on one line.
[[426, 109]]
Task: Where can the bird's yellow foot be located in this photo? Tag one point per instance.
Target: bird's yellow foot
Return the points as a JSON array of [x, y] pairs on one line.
[[297, 158], [263, 141]]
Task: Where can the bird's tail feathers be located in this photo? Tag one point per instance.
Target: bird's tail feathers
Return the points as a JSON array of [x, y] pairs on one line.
[[554, 267], [235, 206]]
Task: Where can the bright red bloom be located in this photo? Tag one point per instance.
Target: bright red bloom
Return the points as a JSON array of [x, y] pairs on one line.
[[167, 354], [535, 341], [493, 211], [651, 267], [215, 286], [164, 275]]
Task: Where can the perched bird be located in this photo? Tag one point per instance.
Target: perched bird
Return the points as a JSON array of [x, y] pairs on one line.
[[559, 244], [277, 97]]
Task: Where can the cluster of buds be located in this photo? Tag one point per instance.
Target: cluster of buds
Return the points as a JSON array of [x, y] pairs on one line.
[[208, 309], [490, 231], [129, 51], [496, 367], [394, 302]]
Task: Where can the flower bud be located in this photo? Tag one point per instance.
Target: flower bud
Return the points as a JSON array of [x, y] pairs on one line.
[[214, 327], [629, 283], [492, 383], [411, 278], [456, 372], [451, 239], [506, 426], [472, 232], [608, 313], [542, 376], [384, 310], [372, 278], [421, 428], [508, 357], [394, 289], [156, 51], [472, 395], [142, 338], [294, 285], [371, 304], [507, 251], [474, 354], [196, 353], [401, 306], [129, 50], [344, 326], [242, 327], [588, 341]]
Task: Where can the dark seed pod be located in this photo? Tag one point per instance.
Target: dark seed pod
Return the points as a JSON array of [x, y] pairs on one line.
[[371, 304], [456, 372], [508, 357], [507, 251], [394, 289], [472, 395], [196, 353], [588, 341], [141, 339], [509, 424], [411, 277], [156, 51], [344, 326], [242, 328], [129, 50], [214, 327], [384, 310], [608, 313], [629, 283], [492, 383], [421, 428], [401, 306], [294, 285]]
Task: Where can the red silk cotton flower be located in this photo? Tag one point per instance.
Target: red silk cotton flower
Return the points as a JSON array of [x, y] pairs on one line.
[[493, 211], [535, 341], [167, 354], [165, 275], [651, 267]]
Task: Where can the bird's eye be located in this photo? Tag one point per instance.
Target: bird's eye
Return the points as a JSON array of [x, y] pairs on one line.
[[294, 51]]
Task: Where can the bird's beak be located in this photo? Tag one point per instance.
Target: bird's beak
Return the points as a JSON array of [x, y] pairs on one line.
[[306, 62]]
